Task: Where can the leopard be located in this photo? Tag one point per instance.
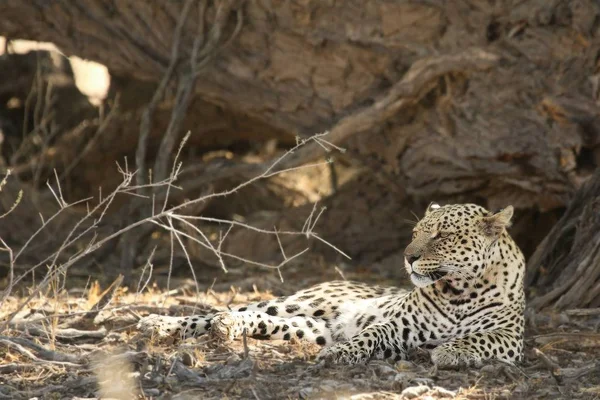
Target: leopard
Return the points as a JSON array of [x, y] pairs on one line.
[[466, 306]]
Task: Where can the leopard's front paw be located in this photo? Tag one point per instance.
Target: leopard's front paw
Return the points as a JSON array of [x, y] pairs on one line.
[[445, 357], [344, 353], [225, 326]]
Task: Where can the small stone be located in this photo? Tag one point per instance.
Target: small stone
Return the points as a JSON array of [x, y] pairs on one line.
[[152, 392], [188, 359], [489, 369], [563, 319], [169, 341], [233, 359], [441, 392], [404, 365], [385, 370], [415, 391], [305, 393]]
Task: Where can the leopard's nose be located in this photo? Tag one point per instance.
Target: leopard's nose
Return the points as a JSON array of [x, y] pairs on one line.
[[411, 258]]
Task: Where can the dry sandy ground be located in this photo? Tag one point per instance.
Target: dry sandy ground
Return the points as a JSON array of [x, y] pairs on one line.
[[61, 348]]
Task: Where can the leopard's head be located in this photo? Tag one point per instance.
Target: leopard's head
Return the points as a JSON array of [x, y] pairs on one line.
[[452, 241]]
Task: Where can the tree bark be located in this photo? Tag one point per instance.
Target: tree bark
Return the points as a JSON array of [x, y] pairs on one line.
[[564, 271], [524, 131]]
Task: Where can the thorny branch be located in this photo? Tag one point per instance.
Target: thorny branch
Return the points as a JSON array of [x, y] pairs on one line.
[[165, 219], [204, 49]]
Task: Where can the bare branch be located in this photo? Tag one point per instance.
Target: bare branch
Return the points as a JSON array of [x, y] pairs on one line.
[[55, 268], [146, 122]]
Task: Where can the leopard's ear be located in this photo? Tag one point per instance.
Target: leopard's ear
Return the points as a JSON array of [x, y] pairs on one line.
[[495, 224], [432, 207]]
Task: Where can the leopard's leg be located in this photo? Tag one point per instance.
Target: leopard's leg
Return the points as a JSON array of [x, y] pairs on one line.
[[231, 325], [183, 327], [321, 302], [381, 340], [471, 350]]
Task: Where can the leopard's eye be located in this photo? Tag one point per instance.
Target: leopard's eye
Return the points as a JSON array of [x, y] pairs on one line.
[[440, 235]]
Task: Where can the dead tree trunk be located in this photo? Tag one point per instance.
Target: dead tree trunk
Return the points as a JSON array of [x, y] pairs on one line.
[[565, 269], [451, 98]]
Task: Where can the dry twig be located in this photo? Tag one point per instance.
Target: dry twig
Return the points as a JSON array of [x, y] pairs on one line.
[[164, 219], [551, 366], [39, 353]]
